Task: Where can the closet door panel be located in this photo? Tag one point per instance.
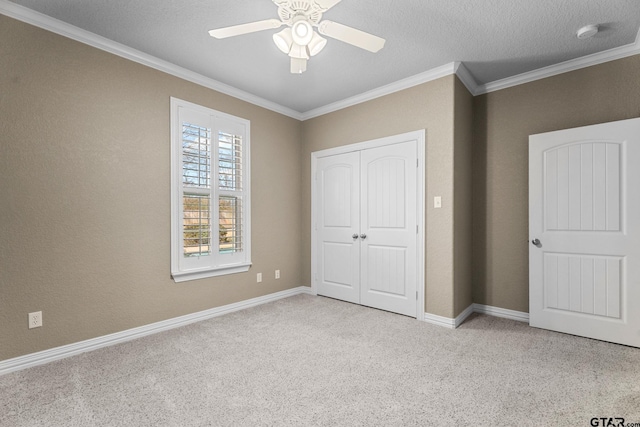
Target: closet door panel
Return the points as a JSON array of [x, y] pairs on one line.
[[338, 220], [388, 228]]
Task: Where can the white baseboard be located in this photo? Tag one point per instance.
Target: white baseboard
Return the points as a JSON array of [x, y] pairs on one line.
[[463, 316], [434, 319], [57, 353], [450, 323], [520, 316]]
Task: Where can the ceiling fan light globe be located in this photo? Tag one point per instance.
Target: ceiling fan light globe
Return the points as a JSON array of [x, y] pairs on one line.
[[283, 40], [316, 44], [302, 32]]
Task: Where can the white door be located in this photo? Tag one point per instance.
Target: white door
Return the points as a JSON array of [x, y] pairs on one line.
[[388, 228], [366, 227], [338, 226], [584, 226]]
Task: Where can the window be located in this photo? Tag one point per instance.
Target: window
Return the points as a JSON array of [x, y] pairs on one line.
[[210, 197]]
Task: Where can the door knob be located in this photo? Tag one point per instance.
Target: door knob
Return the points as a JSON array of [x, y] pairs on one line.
[[363, 236], [535, 242], [355, 235]]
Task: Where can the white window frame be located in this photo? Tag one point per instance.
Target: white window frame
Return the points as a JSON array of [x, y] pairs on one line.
[[215, 263]]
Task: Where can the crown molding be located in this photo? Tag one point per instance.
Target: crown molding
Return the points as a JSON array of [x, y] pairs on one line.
[[467, 79], [563, 67], [415, 80], [40, 20], [56, 26]]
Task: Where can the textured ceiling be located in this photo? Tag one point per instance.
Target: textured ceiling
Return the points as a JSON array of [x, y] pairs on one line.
[[495, 39]]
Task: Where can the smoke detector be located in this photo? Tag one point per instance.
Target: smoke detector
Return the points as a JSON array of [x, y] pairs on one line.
[[587, 31]]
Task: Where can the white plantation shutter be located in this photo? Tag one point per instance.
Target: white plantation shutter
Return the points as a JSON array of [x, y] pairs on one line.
[[230, 192], [229, 161], [196, 155], [196, 195], [231, 236], [210, 192]]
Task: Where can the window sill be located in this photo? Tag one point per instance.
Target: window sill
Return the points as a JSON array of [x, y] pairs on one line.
[[184, 276]]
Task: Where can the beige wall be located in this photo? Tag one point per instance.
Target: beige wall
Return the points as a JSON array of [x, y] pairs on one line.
[[503, 122], [428, 106], [462, 175], [85, 211], [85, 196]]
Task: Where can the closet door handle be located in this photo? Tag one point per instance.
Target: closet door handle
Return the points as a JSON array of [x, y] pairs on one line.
[[363, 236], [355, 235]]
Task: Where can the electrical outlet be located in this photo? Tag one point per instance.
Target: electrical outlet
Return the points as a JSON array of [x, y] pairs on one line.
[[277, 274], [35, 319], [437, 202], [259, 277]]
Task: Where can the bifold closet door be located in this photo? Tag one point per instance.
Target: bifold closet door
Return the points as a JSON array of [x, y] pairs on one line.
[[367, 227], [338, 226], [388, 228]]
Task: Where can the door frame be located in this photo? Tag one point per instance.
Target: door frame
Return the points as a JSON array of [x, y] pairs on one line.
[[420, 137]]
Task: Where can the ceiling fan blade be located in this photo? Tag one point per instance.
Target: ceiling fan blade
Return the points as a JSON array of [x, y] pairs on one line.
[[252, 27], [327, 4], [351, 35]]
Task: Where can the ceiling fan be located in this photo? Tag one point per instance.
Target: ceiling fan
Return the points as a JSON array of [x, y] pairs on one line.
[[299, 40]]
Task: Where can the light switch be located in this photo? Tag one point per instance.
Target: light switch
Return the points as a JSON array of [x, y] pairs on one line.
[[437, 202]]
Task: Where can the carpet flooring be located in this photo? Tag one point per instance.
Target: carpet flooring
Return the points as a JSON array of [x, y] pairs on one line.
[[313, 361]]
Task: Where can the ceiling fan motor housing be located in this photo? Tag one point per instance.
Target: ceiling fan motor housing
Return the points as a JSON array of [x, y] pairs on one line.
[[288, 10]]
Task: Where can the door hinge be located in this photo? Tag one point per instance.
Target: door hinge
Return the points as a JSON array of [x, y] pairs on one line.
[[417, 162], [416, 295], [416, 229]]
